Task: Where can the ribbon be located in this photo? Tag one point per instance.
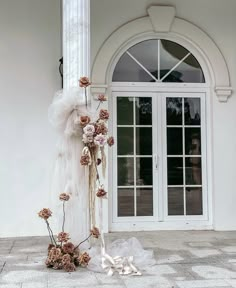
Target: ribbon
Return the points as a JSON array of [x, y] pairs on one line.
[[122, 265]]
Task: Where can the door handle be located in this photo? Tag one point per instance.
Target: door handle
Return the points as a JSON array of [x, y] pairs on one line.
[[156, 161]]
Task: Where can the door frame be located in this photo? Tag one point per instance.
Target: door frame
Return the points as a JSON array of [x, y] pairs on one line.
[[160, 221]]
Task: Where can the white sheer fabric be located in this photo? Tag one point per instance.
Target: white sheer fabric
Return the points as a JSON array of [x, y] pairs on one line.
[[69, 176], [143, 259]]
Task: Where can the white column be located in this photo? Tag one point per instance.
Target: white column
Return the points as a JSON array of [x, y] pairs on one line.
[[76, 41], [76, 56]]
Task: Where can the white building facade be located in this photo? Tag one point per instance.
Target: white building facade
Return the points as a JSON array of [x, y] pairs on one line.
[[168, 69]]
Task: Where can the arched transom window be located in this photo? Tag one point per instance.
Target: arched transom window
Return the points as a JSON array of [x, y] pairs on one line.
[[158, 60]]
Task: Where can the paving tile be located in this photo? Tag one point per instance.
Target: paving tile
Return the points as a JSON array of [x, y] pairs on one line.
[[203, 284]]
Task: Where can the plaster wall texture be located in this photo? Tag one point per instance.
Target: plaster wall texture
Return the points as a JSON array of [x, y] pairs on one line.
[[30, 48], [217, 19]]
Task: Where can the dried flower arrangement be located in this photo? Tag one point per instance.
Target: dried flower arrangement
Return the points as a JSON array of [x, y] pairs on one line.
[[63, 254]]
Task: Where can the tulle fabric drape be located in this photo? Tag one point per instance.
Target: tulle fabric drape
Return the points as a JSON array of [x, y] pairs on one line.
[[69, 176]]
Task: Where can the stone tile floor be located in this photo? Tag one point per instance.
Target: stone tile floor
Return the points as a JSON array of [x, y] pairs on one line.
[[185, 259]]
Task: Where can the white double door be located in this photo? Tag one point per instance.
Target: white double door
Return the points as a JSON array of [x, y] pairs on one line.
[[159, 160]]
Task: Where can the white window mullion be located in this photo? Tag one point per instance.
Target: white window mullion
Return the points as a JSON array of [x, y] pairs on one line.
[[135, 159], [144, 68], [159, 58], [184, 170]]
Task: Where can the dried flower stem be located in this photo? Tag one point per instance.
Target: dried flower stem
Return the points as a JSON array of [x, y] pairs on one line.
[[98, 105], [86, 100], [51, 233], [82, 241], [64, 217]]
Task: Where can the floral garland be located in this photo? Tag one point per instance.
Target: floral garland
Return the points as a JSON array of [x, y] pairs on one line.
[[63, 254]]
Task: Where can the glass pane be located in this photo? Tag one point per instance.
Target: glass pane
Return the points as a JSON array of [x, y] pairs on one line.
[[125, 202], [146, 53], [193, 201], [192, 111], [193, 171], [143, 141], [143, 171], [125, 141], [188, 71], [125, 171], [175, 171], [127, 70], [175, 201], [144, 202], [143, 111], [174, 111], [174, 141], [125, 111], [192, 141]]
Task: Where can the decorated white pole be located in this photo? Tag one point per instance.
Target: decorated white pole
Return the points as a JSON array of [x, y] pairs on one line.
[[76, 41], [76, 64]]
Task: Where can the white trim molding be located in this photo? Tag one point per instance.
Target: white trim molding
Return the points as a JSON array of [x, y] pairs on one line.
[[198, 42]]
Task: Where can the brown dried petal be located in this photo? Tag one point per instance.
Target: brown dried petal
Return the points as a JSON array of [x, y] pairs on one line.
[[69, 267], [95, 232], [84, 259], [102, 98], [84, 160], [84, 120], [64, 197], [110, 141], [68, 248], [84, 82], [101, 193], [45, 213], [63, 237], [104, 114]]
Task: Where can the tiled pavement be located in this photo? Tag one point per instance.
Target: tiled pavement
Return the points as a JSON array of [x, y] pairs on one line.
[[185, 259]]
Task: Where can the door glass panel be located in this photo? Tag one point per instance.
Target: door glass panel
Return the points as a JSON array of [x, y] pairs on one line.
[[193, 141], [174, 141], [144, 198], [193, 171], [143, 141], [126, 171], [125, 141], [125, 111], [193, 201], [135, 172], [125, 202], [192, 111], [184, 140], [175, 201], [174, 111], [175, 171], [143, 171], [143, 111]]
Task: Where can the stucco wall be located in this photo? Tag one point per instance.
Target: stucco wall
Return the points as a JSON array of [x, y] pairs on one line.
[[217, 19], [29, 52]]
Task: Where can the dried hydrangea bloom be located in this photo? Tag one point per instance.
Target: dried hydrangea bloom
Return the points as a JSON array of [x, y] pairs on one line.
[[89, 130], [102, 98], [84, 82], [50, 246], [64, 197], [110, 141], [100, 140], [101, 128], [66, 258], [84, 259], [54, 254], [69, 267], [95, 232], [49, 262], [85, 160], [84, 120], [103, 114], [45, 213], [68, 248], [63, 237], [101, 192], [58, 265]]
